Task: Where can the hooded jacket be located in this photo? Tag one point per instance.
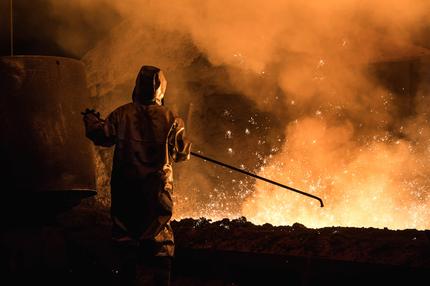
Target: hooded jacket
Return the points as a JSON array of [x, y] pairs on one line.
[[148, 137]]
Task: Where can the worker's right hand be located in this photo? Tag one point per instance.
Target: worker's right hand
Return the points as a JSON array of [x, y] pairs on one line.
[[91, 118], [90, 111]]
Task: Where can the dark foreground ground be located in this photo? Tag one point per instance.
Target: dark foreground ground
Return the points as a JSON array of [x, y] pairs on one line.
[[74, 249]]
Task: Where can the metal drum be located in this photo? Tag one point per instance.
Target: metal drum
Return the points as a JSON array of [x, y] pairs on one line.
[[45, 156]]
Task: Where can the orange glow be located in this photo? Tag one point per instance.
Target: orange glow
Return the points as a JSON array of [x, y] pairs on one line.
[[371, 185], [348, 136]]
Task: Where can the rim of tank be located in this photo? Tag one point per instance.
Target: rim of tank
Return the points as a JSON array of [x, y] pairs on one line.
[[78, 191], [83, 193], [59, 194], [42, 57], [68, 190], [60, 190]]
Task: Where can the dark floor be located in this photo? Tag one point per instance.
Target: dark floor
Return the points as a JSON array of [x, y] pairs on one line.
[[75, 250]]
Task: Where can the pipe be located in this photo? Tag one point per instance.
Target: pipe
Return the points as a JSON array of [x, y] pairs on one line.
[[11, 27]]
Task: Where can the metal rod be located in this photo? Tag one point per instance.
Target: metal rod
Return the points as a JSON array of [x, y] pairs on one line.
[[11, 27], [258, 177]]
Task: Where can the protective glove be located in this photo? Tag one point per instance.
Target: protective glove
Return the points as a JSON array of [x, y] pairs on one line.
[[91, 117]]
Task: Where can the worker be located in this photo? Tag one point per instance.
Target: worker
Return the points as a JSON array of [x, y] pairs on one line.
[[148, 138]]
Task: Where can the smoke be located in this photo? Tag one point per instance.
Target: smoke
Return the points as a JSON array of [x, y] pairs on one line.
[[327, 96]]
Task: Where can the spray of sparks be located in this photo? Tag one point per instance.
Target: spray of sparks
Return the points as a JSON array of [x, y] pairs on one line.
[[376, 180]]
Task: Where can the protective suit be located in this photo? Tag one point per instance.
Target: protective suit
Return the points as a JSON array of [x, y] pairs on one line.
[[148, 137]]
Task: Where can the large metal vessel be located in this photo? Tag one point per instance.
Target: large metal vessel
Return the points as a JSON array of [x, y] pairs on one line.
[[45, 157]]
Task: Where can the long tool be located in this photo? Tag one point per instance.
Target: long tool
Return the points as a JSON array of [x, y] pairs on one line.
[[256, 176]]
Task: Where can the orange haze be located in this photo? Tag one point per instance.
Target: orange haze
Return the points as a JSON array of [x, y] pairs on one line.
[[347, 139]]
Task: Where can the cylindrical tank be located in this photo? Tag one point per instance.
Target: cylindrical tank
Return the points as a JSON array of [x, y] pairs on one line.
[[45, 156]]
